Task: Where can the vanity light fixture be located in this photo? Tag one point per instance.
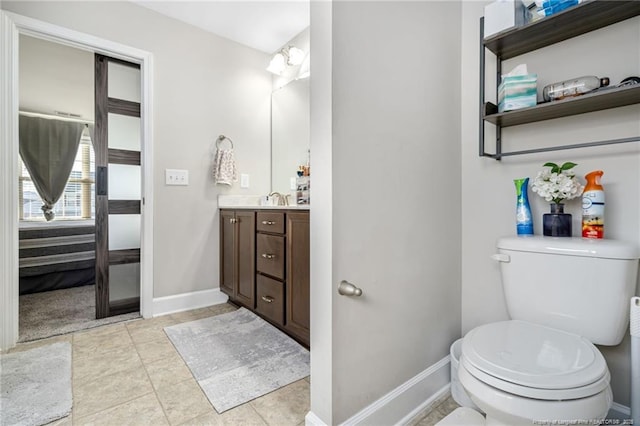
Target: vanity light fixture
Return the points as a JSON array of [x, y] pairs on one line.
[[287, 56]]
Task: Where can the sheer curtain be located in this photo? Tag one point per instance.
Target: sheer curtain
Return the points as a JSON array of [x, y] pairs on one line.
[[48, 149]]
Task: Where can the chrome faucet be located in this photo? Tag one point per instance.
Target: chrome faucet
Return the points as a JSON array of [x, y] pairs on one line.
[[282, 200]]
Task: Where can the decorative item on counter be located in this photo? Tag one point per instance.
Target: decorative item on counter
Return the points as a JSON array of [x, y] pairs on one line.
[[303, 187], [524, 221], [503, 15], [593, 206], [551, 7], [556, 184], [573, 87], [517, 90], [305, 170]]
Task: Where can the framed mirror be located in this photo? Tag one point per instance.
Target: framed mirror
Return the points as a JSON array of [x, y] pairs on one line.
[[290, 133]]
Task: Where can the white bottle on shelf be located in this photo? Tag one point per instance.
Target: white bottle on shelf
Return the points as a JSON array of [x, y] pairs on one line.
[[573, 87]]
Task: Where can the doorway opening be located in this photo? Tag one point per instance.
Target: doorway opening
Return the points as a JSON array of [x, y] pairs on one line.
[[57, 206], [12, 27]]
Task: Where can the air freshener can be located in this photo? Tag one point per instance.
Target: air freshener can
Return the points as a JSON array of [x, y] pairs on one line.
[[593, 207]]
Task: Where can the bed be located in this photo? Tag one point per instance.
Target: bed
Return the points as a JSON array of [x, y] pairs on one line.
[[56, 255]]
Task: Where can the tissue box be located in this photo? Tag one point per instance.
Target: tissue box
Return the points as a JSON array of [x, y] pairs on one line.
[[519, 91], [502, 15]]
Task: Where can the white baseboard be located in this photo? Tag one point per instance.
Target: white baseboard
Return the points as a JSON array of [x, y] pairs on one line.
[[312, 420], [407, 400], [416, 395], [619, 412], [187, 301]]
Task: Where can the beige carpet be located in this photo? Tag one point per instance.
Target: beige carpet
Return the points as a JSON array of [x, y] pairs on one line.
[[60, 312]]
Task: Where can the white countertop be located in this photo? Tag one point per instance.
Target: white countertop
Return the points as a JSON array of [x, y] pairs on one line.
[[252, 202]]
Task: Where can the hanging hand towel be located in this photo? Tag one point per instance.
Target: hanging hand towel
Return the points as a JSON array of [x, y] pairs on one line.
[[224, 166]]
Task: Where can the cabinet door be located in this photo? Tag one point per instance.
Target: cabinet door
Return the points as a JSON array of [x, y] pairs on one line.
[[246, 246], [298, 275], [227, 252]]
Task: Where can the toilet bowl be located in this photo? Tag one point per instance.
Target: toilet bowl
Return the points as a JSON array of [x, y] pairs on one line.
[[520, 373]]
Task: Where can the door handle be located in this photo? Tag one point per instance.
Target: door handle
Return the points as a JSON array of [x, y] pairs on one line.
[[102, 180], [345, 288]]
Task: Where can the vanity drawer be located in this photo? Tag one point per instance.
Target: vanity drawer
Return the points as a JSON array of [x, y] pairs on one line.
[[270, 222], [270, 255], [270, 298]]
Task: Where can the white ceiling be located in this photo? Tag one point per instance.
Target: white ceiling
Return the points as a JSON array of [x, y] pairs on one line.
[[264, 25]]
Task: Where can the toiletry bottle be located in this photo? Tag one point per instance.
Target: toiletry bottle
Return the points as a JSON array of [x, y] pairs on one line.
[[593, 206], [573, 87], [524, 222], [307, 168]]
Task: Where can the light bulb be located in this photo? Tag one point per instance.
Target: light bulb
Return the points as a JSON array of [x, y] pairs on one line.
[[296, 56]]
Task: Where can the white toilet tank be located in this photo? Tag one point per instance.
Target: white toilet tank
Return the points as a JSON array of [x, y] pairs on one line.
[[578, 285]]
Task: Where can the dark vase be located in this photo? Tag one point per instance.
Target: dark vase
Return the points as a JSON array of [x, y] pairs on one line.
[[557, 223]]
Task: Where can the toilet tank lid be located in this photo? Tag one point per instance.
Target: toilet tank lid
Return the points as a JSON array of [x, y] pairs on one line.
[[585, 247]]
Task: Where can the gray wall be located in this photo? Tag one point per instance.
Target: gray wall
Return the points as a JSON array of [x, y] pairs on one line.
[[394, 168], [488, 193], [204, 86]]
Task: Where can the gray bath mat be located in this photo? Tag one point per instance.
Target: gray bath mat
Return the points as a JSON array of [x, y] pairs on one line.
[[35, 385], [237, 357]]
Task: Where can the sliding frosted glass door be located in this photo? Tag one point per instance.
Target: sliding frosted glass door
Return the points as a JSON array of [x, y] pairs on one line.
[[118, 187]]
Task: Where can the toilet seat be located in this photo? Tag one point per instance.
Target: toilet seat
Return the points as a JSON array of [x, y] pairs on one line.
[[534, 361]]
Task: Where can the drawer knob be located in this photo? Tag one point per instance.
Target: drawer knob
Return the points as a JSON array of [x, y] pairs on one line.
[[268, 256], [268, 222], [267, 299]]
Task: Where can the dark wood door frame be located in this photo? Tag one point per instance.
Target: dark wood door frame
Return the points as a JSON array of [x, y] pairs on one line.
[[104, 206]]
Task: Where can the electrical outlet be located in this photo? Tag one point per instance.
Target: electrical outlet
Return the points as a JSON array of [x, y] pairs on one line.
[[244, 180], [176, 177], [292, 184]]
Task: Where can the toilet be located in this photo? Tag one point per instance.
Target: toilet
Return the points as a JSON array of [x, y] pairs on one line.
[[563, 296]]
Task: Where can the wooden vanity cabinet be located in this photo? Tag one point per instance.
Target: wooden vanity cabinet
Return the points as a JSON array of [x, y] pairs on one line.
[[237, 255], [298, 275], [264, 264]]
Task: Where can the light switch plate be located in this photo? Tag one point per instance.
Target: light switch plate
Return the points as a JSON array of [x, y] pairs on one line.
[[176, 177], [292, 184], [244, 180]]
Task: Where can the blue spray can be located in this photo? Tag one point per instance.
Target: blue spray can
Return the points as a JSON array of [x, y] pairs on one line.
[[524, 222]]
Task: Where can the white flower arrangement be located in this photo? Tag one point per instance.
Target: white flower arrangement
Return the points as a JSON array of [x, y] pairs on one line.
[[557, 183]]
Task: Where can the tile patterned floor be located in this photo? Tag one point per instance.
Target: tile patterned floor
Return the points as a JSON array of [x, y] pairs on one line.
[[130, 374], [437, 412]]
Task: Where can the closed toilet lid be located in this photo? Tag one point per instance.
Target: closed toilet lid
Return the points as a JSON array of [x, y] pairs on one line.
[[536, 357]]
